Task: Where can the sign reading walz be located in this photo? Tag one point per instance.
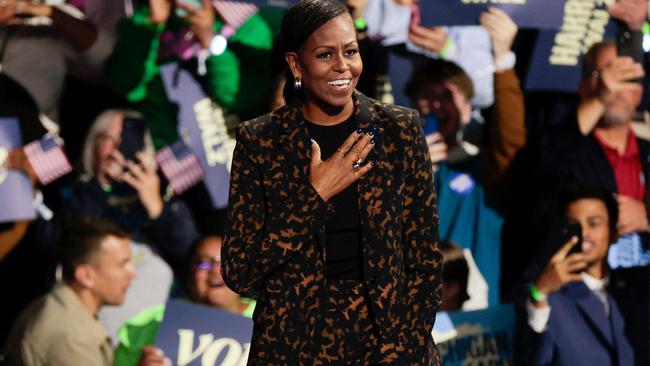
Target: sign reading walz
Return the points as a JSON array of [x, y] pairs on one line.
[[202, 124], [557, 57], [199, 335]]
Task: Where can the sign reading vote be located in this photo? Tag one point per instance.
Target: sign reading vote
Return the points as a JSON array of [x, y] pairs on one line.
[[15, 187], [542, 14], [202, 123], [192, 334], [482, 337]]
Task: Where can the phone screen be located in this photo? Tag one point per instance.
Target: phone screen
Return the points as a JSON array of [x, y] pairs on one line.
[[569, 231], [132, 138], [430, 124]]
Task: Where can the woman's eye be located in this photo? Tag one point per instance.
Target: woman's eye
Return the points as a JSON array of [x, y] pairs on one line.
[[352, 52], [324, 55]]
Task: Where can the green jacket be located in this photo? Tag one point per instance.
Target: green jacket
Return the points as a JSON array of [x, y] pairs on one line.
[[239, 80]]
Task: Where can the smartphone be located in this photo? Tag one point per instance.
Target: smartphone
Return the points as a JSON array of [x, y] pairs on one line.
[[630, 43], [180, 12], [132, 138], [570, 230], [431, 124]]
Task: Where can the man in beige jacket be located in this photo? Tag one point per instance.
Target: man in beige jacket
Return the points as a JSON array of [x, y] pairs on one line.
[[62, 327]]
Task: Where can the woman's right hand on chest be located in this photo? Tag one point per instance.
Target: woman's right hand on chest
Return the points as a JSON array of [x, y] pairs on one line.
[[344, 167]]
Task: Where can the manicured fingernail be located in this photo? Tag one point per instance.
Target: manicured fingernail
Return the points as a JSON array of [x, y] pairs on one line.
[[373, 163], [311, 141], [371, 132], [372, 142], [359, 131]]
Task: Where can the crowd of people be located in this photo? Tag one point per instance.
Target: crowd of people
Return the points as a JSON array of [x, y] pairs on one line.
[[540, 200]]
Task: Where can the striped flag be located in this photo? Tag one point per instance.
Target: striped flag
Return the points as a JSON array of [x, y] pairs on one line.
[[180, 166], [47, 158], [234, 13]]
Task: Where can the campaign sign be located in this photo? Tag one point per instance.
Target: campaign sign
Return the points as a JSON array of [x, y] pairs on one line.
[[540, 14], [199, 335], [15, 187], [201, 122], [557, 56], [482, 337]]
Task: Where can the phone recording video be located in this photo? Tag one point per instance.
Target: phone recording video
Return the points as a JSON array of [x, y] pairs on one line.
[[569, 231], [132, 138]]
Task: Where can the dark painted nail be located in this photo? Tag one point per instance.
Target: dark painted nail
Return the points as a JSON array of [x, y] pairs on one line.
[[371, 132], [374, 162], [359, 131], [372, 142]]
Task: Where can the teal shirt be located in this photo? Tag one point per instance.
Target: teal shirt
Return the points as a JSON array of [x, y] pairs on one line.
[[467, 220], [142, 329]]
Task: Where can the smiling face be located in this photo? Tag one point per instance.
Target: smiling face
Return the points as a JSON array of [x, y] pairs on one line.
[[593, 217], [329, 66], [207, 286]]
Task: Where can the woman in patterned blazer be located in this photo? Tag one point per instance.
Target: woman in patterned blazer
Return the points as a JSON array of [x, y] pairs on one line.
[[332, 224]]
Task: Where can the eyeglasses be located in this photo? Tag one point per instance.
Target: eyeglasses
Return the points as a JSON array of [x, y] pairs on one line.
[[207, 263]]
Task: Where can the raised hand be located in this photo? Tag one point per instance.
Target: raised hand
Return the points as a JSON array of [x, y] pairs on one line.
[[160, 11], [144, 179], [502, 30], [431, 39], [618, 76], [344, 167], [201, 21], [562, 269], [633, 12], [437, 147]]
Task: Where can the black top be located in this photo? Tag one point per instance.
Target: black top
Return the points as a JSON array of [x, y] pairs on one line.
[[343, 229]]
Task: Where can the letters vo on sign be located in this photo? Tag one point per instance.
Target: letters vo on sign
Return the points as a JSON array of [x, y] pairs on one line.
[[210, 350]]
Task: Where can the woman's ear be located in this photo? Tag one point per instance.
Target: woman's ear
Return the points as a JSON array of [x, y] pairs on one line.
[[292, 61]]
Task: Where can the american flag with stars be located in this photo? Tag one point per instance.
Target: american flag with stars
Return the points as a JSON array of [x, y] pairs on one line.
[[234, 13], [180, 166], [47, 158]]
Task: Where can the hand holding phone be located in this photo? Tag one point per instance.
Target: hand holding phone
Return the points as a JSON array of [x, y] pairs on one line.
[[573, 230]]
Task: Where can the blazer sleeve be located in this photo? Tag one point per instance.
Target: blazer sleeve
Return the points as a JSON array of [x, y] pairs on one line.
[[257, 239], [422, 259]]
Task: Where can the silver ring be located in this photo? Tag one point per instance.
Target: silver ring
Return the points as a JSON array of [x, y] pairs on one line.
[[357, 164]]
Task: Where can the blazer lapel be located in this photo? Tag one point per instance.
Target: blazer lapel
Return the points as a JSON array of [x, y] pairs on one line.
[[592, 309], [294, 142], [369, 194]]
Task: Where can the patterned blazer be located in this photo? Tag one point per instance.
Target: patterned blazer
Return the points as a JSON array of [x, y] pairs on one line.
[[273, 247]]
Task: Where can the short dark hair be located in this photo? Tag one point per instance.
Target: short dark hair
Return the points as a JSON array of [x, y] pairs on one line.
[[455, 267], [81, 239], [578, 190], [590, 58], [439, 72], [300, 21]]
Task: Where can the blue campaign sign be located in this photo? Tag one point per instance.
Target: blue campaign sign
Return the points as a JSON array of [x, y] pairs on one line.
[[15, 187], [201, 122], [557, 56], [541, 14], [192, 334], [481, 337]]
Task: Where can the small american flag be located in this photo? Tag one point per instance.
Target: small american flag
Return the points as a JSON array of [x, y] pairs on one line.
[[234, 13], [180, 166], [47, 158]]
